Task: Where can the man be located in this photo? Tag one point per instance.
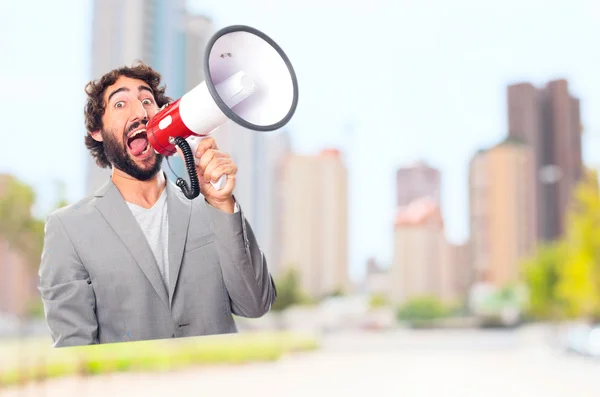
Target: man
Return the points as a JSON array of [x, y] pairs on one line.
[[139, 260]]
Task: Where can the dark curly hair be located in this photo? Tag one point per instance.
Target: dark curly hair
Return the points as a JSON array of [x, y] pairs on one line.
[[95, 106]]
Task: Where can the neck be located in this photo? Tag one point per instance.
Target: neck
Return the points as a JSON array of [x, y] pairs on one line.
[[142, 193]]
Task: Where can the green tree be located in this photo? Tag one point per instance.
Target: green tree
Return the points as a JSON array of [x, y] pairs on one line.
[[18, 227], [21, 230], [563, 278], [541, 275], [288, 291], [579, 277]]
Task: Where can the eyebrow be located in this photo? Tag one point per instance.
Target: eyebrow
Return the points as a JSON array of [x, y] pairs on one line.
[[125, 89]]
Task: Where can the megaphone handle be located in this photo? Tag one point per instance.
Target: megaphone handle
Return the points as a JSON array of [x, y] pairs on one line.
[[194, 141], [220, 184]]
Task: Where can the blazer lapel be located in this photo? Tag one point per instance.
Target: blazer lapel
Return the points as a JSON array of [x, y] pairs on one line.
[[116, 212], [179, 209]]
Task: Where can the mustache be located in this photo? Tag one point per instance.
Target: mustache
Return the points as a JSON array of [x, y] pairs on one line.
[[136, 125]]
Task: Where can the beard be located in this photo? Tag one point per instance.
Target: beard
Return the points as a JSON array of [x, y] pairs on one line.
[[117, 155]]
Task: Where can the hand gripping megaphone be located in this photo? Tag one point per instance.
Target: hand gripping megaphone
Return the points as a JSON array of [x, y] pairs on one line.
[[249, 80]]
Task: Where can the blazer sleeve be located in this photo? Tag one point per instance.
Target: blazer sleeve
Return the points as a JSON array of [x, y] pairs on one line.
[[66, 289], [247, 279]]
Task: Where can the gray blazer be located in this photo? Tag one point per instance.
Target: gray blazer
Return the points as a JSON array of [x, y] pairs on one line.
[[100, 283]]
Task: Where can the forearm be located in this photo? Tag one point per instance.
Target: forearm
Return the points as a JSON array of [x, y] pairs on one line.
[[70, 314], [243, 264]]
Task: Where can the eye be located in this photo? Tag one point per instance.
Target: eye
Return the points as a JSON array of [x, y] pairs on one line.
[[119, 104], [147, 101]]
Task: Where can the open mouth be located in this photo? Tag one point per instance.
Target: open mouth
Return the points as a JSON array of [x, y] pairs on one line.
[[138, 143]]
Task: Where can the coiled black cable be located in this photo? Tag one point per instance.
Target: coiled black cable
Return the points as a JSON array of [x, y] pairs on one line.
[[194, 190]]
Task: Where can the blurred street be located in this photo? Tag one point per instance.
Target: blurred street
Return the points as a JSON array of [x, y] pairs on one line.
[[396, 363]]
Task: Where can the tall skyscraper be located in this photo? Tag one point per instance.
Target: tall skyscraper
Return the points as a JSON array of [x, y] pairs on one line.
[[416, 181], [502, 210], [158, 32], [548, 119], [315, 221]]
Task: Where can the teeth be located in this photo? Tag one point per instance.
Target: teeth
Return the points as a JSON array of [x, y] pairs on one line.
[[137, 133]]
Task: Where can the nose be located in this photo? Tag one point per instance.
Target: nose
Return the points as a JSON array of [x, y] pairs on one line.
[[138, 112]]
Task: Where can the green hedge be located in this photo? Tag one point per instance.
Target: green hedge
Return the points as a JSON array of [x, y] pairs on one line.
[[422, 309], [35, 360]]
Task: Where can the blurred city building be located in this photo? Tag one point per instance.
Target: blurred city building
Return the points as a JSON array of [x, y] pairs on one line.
[[315, 221], [502, 197], [424, 262], [461, 271], [548, 119], [18, 287], [416, 181], [419, 250]]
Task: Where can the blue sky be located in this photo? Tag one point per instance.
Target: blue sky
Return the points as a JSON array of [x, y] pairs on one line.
[[415, 79]]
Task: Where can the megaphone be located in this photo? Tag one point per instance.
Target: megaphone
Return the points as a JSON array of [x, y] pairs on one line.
[[249, 80]]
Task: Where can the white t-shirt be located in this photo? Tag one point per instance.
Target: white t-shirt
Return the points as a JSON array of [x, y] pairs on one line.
[[154, 222]]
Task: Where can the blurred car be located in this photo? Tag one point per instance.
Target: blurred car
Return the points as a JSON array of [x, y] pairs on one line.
[[497, 307], [593, 342], [580, 338]]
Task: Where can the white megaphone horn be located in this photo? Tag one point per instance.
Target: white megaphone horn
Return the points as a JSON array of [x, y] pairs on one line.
[[249, 80]]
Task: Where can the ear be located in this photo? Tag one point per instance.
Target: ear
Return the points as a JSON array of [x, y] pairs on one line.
[[96, 135]]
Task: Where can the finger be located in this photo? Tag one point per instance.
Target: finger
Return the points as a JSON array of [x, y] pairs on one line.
[[204, 145], [206, 158], [218, 163], [209, 156], [228, 169]]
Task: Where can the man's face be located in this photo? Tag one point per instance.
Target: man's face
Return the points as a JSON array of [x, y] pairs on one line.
[[129, 105]]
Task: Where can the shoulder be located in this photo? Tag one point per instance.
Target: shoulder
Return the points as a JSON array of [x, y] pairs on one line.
[[73, 214]]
